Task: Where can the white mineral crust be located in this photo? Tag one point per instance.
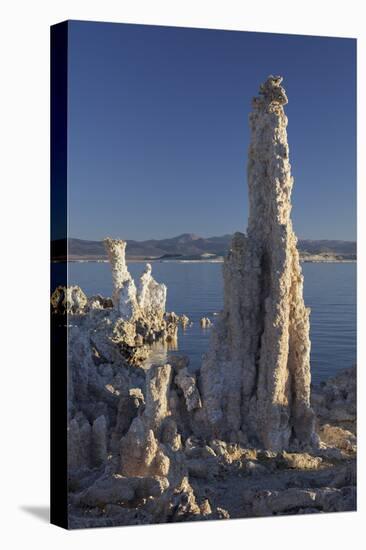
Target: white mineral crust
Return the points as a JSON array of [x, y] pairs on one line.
[[120, 275], [147, 301], [151, 295], [255, 378]]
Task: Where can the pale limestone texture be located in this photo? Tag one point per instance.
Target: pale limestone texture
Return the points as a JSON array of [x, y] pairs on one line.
[[151, 296], [147, 301], [141, 452], [256, 375], [155, 475], [335, 436], [108, 342], [187, 383], [116, 250]]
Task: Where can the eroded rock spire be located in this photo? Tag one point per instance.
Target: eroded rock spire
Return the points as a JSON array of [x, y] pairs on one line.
[[147, 300], [122, 280], [256, 376]]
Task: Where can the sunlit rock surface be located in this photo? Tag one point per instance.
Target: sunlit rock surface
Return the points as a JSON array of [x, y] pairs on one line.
[[256, 375]]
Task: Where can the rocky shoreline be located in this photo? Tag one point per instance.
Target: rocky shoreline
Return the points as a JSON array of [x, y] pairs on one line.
[[136, 453], [133, 458]]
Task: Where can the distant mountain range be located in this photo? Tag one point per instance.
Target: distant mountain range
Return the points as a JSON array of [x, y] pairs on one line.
[[192, 247]]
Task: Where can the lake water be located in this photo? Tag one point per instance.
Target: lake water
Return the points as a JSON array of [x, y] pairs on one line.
[[196, 290]]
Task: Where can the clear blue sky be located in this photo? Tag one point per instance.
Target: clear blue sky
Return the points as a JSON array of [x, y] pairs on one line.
[[158, 129]]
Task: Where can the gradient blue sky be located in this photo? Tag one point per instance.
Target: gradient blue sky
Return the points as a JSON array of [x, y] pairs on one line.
[[158, 129]]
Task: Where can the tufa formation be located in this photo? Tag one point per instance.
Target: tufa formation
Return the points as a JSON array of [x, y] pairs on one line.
[[256, 375]]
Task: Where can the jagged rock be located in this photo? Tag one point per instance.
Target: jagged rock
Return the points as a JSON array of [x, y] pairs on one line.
[[92, 355], [196, 449], [120, 274], [255, 377], [335, 436], [99, 440], [105, 397], [110, 489], [183, 503], [151, 296], [69, 300], [106, 490], [205, 508], [300, 461], [125, 339], [79, 443], [187, 383], [172, 317], [178, 362], [219, 447], [130, 402], [205, 322], [171, 327], [185, 321], [99, 302], [141, 453], [146, 302], [221, 513], [113, 335], [184, 397], [157, 396], [335, 400], [170, 435], [201, 459]]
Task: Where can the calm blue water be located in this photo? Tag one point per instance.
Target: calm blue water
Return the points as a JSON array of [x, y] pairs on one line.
[[196, 290]]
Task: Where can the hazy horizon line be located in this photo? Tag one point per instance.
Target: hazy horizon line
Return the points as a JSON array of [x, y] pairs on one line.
[[300, 238]]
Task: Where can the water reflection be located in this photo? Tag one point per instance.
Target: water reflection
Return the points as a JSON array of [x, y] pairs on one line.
[[196, 290], [159, 352]]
